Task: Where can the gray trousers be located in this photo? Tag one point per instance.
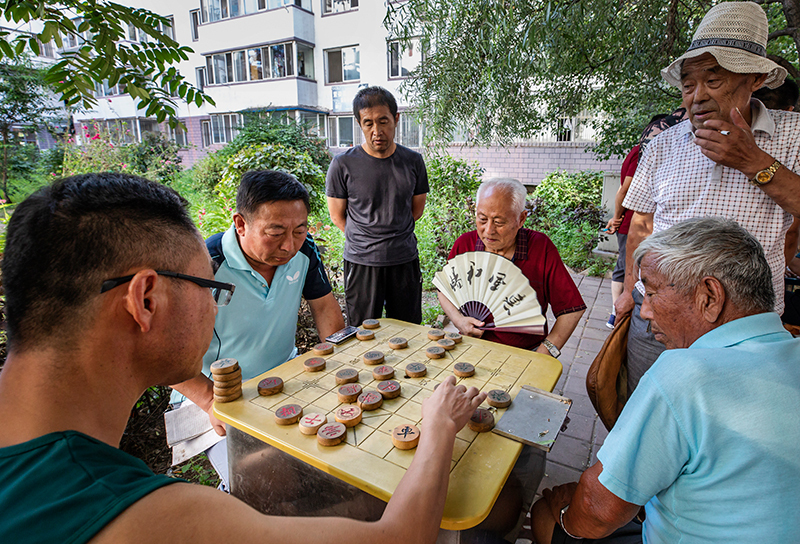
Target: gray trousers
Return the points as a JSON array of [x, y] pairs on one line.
[[643, 349]]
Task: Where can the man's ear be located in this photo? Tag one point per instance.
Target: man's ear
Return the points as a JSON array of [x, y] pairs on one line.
[[710, 298], [239, 223], [141, 300], [522, 217], [758, 82]]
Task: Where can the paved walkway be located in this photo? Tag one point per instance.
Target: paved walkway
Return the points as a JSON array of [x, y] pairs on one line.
[[576, 448]]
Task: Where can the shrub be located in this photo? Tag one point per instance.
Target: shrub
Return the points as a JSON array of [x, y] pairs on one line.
[[257, 130], [207, 172], [449, 210], [566, 207]]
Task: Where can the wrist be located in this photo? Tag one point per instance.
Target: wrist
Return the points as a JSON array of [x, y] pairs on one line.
[[753, 168], [561, 522]]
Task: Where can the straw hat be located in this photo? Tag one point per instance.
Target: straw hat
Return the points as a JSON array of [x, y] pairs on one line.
[[736, 34]]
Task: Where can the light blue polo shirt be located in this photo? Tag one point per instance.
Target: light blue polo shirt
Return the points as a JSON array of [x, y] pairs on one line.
[[709, 439], [258, 326]]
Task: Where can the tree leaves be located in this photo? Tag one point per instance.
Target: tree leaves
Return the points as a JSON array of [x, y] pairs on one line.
[[509, 69], [103, 52]]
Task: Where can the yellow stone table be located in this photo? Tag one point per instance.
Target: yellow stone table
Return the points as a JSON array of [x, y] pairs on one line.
[[367, 460]]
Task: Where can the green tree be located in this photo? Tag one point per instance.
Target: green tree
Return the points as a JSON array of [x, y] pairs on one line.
[[99, 27], [505, 69], [25, 104]]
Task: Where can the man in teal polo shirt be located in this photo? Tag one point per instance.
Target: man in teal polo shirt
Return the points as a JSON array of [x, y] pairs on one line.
[[273, 261]]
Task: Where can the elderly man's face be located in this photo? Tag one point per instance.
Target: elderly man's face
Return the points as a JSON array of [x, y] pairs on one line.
[[711, 92], [675, 320], [497, 221]]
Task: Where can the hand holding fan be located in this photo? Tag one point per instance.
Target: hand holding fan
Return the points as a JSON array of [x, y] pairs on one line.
[[492, 289]]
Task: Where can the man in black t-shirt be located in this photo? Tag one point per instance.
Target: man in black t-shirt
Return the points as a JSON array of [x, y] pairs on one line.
[[376, 192]]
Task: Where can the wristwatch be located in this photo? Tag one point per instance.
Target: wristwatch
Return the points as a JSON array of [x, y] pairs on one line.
[[551, 347], [561, 522], [765, 176]]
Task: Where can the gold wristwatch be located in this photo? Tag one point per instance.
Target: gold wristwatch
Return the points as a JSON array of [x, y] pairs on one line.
[[765, 176]]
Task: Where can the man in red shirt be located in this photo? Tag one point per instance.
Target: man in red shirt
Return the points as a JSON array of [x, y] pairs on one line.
[[500, 214]]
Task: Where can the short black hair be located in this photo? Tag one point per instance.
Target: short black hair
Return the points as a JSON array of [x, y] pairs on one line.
[[66, 239], [371, 97], [781, 98], [260, 186]]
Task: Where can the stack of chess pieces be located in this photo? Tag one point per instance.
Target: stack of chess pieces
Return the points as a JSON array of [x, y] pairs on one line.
[[356, 400], [227, 380]]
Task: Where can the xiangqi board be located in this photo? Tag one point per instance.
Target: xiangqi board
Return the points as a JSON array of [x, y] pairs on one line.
[[368, 458]]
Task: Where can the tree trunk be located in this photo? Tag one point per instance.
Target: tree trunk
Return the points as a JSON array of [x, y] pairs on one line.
[[5, 165], [791, 10]]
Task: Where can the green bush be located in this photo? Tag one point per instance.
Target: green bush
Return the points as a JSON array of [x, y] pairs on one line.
[[257, 130], [449, 210], [207, 172], [155, 158], [567, 208]]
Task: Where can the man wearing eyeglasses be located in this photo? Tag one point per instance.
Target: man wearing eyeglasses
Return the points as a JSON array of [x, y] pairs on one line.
[[272, 260], [109, 291]]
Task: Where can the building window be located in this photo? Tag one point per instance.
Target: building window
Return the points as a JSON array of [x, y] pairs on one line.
[[206, 125], [313, 123], [338, 6], [343, 131], [104, 89], [47, 49], [215, 10], [409, 131], [200, 76], [224, 128], [343, 64], [305, 61], [194, 24], [404, 59], [269, 62], [178, 135], [168, 28]]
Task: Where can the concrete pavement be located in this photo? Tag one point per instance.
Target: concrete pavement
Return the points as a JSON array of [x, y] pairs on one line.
[[576, 448]]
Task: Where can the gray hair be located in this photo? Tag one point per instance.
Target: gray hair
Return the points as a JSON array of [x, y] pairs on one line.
[[716, 247], [514, 188]]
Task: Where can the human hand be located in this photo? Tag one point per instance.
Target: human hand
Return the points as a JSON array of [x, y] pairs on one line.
[[451, 405], [216, 424], [732, 145], [613, 224], [624, 304], [468, 326], [558, 497]]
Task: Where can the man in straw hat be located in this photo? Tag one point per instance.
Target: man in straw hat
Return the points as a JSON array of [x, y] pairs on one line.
[[732, 158]]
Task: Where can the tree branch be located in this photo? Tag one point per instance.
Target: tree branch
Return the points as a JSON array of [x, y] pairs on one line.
[[783, 32]]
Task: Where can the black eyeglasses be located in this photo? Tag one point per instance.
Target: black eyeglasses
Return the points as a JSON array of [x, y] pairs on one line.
[[222, 292]]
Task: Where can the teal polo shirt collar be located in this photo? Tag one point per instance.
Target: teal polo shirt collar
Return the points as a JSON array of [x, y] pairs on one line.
[[743, 330]]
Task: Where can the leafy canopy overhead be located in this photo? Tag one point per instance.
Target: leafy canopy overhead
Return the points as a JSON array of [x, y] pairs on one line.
[[505, 69], [99, 28]]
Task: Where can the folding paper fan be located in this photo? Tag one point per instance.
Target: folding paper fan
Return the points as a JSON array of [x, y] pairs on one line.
[[492, 289]]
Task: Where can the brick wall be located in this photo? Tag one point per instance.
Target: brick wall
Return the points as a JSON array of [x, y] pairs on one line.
[[532, 162]]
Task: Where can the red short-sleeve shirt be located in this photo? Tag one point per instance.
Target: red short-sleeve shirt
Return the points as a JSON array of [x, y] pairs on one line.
[[540, 262], [628, 169]]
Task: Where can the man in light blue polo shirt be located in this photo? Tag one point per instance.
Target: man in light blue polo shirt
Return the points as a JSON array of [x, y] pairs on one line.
[[273, 261], [708, 440]]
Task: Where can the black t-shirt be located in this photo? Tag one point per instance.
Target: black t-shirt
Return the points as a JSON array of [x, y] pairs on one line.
[[380, 226]]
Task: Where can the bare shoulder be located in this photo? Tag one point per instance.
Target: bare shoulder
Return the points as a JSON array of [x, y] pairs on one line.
[[193, 513]]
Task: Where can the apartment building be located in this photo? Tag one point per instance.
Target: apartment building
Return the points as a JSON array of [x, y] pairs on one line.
[[298, 59]]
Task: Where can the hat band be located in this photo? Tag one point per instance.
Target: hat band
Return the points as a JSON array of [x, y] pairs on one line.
[[750, 47]]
